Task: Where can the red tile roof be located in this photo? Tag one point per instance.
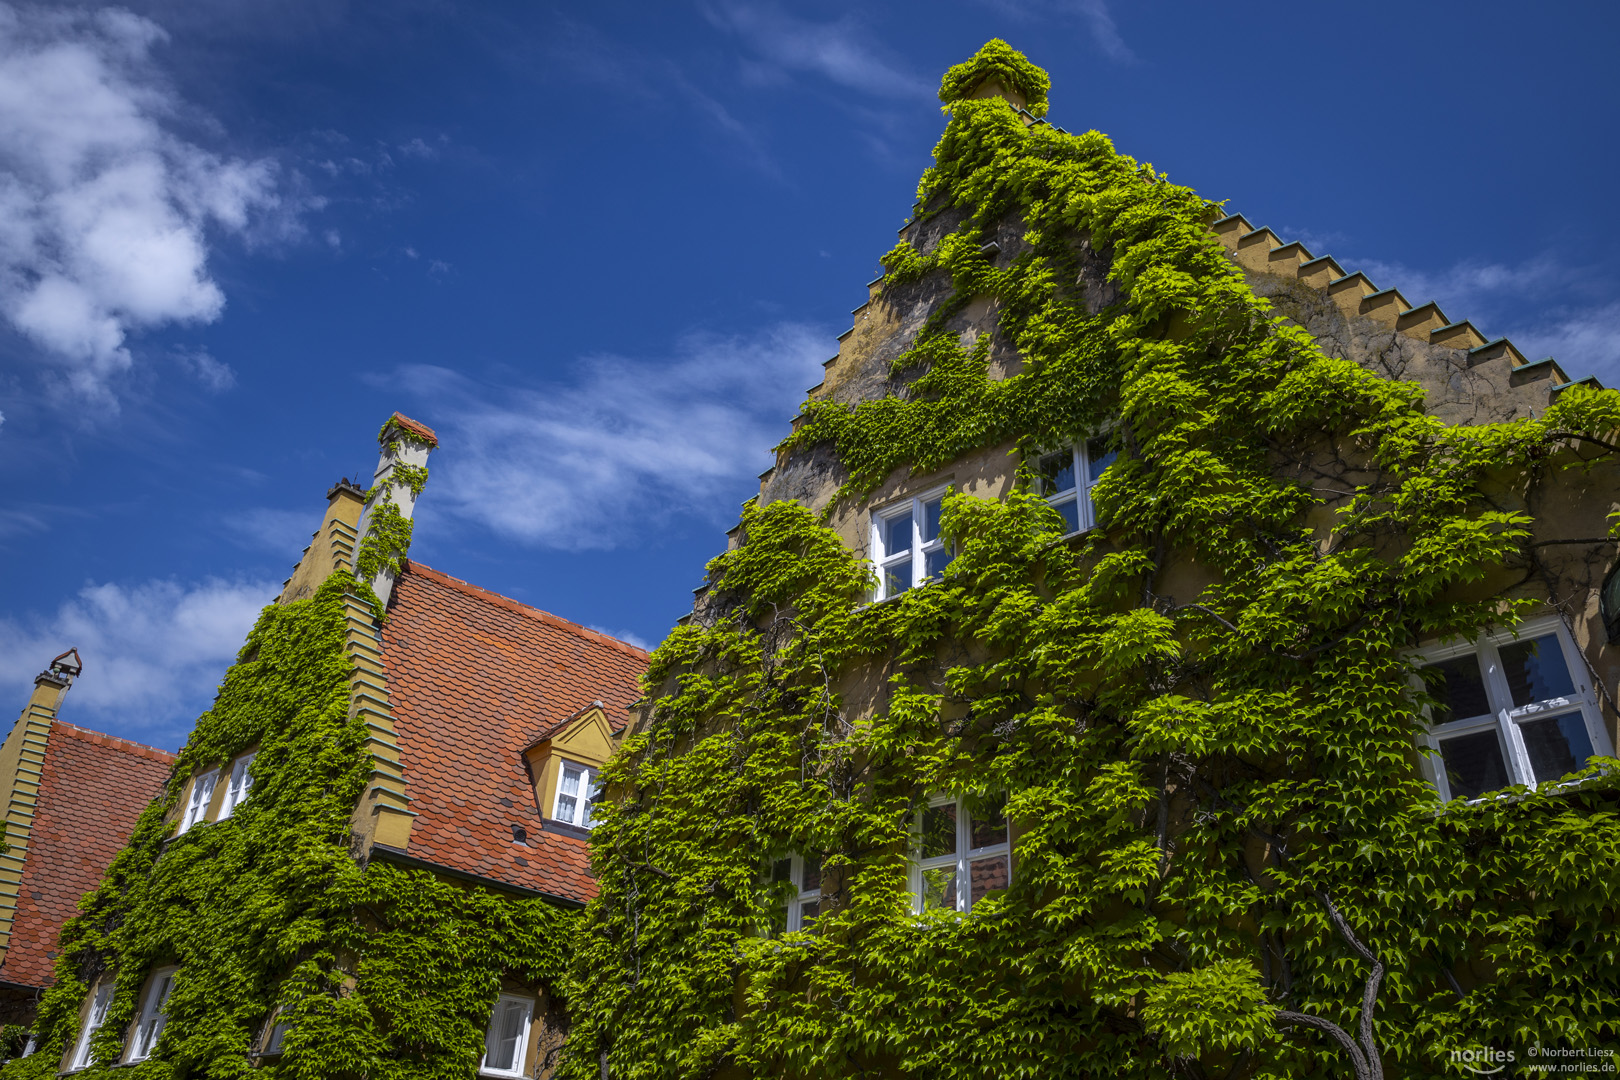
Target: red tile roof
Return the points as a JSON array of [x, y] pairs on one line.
[[415, 427], [92, 788], [473, 678]]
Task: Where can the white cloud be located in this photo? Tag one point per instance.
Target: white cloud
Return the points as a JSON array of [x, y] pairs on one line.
[[153, 653], [625, 636], [840, 50], [105, 213], [1586, 342], [607, 456]]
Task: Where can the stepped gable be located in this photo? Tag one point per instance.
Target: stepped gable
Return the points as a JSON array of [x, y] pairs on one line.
[[1467, 377], [473, 677], [92, 789]]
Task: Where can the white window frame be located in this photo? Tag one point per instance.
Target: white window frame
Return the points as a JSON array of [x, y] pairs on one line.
[[1080, 494], [239, 786], [588, 792], [152, 1020], [801, 895], [521, 1058], [961, 859], [94, 1018], [918, 552], [198, 797], [1505, 717]]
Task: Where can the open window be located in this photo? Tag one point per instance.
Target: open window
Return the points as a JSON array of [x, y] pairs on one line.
[[906, 544], [1065, 479], [1510, 710], [95, 1015], [202, 793], [577, 791], [804, 872], [238, 786], [149, 1024], [961, 852], [506, 1043]]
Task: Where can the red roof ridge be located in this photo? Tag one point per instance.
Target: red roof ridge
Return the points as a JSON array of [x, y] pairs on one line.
[[415, 427], [413, 566], [113, 742]]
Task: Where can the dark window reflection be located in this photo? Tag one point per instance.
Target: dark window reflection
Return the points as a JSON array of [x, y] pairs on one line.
[[1558, 745], [1536, 670], [1460, 689], [1474, 763]]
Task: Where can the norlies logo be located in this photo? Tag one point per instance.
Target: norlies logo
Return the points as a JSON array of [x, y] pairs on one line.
[[1486, 1061]]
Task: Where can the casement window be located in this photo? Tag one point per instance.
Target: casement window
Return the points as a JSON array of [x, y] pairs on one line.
[[804, 871], [961, 852], [1510, 710], [94, 1017], [202, 793], [506, 1043], [577, 790], [238, 786], [907, 546], [149, 1025], [1065, 479]]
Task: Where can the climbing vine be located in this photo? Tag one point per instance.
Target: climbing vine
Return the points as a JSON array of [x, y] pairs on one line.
[[1202, 715], [378, 971]]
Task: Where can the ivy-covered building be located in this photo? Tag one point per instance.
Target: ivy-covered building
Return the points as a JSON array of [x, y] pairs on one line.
[[71, 798], [1157, 651], [369, 858]]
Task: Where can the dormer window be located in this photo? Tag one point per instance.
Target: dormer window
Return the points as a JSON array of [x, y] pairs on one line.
[[577, 791], [241, 782], [1065, 479], [202, 793]]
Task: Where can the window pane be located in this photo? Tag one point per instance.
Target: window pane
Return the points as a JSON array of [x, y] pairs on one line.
[[782, 870], [505, 1031], [939, 888], [987, 875], [987, 822], [935, 562], [567, 808], [897, 534], [1536, 671], [593, 789], [930, 521], [1558, 745], [1055, 473], [1474, 763], [810, 879], [1461, 689], [939, 831], [1070, 509], [808, 910], [1098, 458], [278, 1036], [897, 577]]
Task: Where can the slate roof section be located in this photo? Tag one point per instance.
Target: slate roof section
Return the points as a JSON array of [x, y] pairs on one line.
[[93, 787], [473, 678]]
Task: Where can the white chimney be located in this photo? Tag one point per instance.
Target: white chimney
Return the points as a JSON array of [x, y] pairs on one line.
[[385, 524]]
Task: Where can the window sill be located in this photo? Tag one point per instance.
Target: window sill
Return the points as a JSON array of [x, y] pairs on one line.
[[1521, 792]]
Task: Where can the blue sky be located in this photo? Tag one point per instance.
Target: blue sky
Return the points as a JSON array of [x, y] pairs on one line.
[[604, 248]]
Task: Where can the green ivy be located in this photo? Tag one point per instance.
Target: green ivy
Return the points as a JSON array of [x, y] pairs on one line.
[[381, 972], [1203, 715], [386, 542]]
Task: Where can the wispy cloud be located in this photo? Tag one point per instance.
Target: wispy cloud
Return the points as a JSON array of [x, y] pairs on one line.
[[153, 652], [604, 458], [841, 51], [1093, 13], [105, 213]]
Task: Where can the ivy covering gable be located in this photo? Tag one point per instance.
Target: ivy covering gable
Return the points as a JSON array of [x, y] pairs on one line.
[[1228, 863]]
